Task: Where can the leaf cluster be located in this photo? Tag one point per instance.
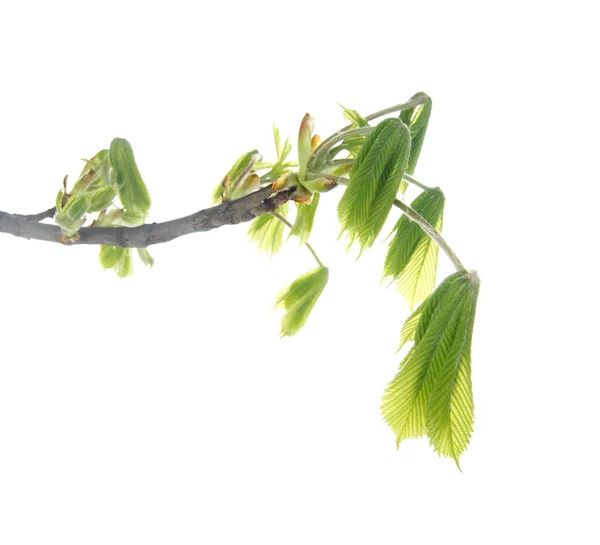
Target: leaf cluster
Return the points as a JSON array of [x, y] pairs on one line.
[[432, 394]]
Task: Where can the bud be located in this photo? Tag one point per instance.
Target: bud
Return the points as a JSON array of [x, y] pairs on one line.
[[314, 143], [250, 184], [281, 183], [304, 144], [301, 194], [321, 185]]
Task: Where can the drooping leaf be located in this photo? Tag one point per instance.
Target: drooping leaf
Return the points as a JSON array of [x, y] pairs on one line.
[[117, 258], [126, 176], [412, 256], [417, 119], [267, 230], [299, 299], [431, 394], [145, 256], [110, 255], [374, 180], [305, 218]]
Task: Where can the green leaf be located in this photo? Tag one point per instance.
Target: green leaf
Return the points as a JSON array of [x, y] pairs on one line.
[[410, 326], [432, 392], [374, 180], [103, 198], [299, 299], [417, 119], [267, 230], [110, 255], [305, 218], [412, 256], [117, 258], [126, 175], [145, 256], [77, 206], [354, 117]]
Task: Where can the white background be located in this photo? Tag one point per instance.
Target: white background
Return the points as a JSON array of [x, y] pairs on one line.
[[164, 408]]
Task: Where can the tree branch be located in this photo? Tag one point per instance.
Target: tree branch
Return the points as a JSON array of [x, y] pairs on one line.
[[227, 213]]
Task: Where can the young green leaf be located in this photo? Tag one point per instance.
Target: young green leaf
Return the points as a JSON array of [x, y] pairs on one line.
[[374, 180], [412, 255], [110, 255], [417, 119], [354, 117], [126, 175], [102, 198], [267, 230], [145, 256], [299, 299], [95, 174], [117, 258], [305, 218], [432, 393]]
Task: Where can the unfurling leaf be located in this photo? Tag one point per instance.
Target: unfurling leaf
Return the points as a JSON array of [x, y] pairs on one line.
[[103, 198], [223, 189], [71, 217], [267, 230], [374, 180], [305, 219], [95, 174], [299, 299], [412, 255], [432, 394], [417, 119], [126, 175]]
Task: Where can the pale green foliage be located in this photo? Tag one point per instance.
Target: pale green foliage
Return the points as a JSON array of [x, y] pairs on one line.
[[267, 230], [374, 181], [117, 258], [432, 392], [125, 174], [417, 119], [108, 174], [305, 218], [412, 256], [299, 299]]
